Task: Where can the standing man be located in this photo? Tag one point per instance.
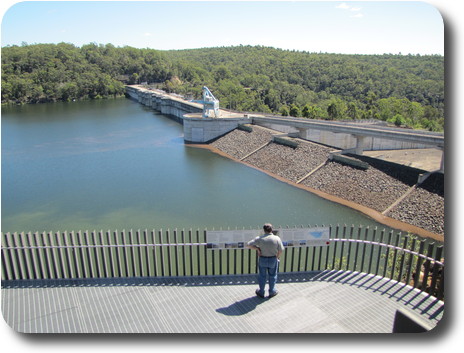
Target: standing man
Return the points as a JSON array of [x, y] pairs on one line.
[[269, 247]]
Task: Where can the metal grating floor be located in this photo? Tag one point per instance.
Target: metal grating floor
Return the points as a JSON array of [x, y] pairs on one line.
[[312, 302]]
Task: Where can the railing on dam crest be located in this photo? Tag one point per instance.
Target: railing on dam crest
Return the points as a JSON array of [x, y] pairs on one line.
[[158, 253]]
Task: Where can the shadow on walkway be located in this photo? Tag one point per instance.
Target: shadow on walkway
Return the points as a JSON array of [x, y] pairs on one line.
[[241, 307]]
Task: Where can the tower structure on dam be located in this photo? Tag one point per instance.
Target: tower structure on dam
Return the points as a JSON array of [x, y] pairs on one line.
[[210, 103]]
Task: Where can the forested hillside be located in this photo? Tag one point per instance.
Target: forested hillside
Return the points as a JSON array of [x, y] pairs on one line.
[[405, 90]]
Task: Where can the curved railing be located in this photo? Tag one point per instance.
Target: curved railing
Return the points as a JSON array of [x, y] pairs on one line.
[[158, 253]]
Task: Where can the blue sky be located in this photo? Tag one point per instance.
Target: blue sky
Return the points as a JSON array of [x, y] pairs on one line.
[[364, 27]]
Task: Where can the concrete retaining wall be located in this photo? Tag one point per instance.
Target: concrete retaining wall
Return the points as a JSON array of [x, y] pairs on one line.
[[201, 130]]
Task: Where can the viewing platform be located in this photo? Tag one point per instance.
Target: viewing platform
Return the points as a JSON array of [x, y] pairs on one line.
[[178, 282], [310, 302]]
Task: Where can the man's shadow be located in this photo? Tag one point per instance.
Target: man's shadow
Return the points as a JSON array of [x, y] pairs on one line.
[[241, 307]]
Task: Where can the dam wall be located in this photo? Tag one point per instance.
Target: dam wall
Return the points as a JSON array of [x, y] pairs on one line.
[[197, 129], [349, 137], [167, 104]]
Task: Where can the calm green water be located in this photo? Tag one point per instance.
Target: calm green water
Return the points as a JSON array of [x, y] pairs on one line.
[[115, 164]]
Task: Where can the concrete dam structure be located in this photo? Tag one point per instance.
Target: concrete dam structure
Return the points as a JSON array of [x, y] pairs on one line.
[[197, 129], [349, 137]]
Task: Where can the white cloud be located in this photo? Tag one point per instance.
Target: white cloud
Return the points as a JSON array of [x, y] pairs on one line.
[[343, 5], [147, 34]]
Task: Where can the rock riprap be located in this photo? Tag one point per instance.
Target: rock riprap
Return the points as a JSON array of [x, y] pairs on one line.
[[377, 187]]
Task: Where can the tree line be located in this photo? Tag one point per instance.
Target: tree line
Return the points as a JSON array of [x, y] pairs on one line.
[[406, 90]]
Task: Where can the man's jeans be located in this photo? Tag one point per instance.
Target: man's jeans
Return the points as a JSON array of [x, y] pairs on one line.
[[267, 266]]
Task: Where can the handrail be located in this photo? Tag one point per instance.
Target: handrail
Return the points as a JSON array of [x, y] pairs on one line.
[[206, 244], [107, 254]]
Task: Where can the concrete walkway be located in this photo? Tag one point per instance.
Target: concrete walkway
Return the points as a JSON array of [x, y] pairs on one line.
[[312, 302]]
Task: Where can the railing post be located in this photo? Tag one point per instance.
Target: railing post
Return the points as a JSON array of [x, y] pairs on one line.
[[198, 253], [82, 258], [387, 254], [342, 249], [327, 249], [349, 249], [405, 244], [142, 261], [69, 253], [364, 249], [112, 254], [132, 252], [184, 255], [150, 264], [377, 268], [205, 253], [6, 260], [119, 261], [410, 262], [374, 234], [190, 232], [43, 259], [89, 251], [103, 261], [427, 267], [160, 233], [358, 237], [30, 257], [441, 286], [9, 256], [124, 253], [64, 260], [73, 250], [335, 247], [395, 255], [155, 254], [17, 241], [176, 255], [169, 252], [419, 263], [435, 271]]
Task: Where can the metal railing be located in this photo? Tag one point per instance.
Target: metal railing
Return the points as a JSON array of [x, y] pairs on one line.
[[158, 253]]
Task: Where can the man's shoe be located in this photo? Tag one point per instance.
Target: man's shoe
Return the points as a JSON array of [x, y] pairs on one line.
[[273, 294], [259, 294]]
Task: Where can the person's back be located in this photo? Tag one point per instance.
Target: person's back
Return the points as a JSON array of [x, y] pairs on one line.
[[269, 247], [269, 244]]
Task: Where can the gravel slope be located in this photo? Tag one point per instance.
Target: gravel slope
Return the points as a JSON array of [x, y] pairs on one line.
[[378, 187]]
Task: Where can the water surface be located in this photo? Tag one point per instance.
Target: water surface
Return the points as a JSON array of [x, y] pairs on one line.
[[115, 164]]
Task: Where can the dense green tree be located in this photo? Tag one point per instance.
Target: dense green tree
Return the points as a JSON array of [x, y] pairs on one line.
[[252, 78], [294, 110], [352, 111], [312, 112], [284, 111]]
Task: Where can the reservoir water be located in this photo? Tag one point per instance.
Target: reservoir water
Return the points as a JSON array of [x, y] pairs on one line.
[[115, 164]]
